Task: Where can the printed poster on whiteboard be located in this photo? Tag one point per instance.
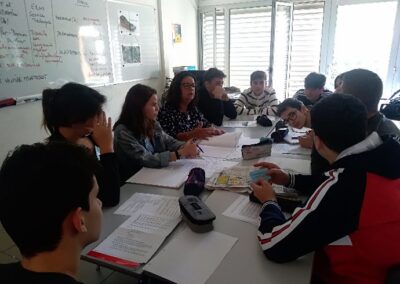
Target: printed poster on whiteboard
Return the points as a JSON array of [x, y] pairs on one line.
[[131, 54], [128, 23]]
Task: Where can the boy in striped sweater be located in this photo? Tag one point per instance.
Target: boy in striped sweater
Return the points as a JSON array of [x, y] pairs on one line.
[[258, 99]]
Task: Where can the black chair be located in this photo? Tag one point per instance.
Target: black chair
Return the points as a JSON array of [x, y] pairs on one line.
[[393, 276]]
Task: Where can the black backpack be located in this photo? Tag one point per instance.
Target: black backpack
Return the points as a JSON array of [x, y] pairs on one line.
[[392, 109]]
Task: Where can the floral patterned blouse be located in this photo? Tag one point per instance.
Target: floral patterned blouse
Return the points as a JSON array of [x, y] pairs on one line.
[[173, 121]]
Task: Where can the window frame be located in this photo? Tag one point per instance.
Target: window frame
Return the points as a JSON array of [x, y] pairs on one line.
[[391, 82]]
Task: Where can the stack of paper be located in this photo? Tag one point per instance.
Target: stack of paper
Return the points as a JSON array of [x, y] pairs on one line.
[[235, 179], [152, 219], [222, 146], [177, 172]]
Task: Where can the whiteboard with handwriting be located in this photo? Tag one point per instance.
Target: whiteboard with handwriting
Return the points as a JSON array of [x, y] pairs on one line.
[[45, 43]]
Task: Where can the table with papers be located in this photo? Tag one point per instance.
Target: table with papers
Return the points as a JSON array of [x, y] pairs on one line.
[[240, 261]]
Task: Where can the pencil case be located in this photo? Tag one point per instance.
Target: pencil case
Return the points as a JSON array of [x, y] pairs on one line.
[[261, 149]]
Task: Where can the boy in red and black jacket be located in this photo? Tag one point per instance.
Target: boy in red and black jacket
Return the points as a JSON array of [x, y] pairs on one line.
[[352, 218]]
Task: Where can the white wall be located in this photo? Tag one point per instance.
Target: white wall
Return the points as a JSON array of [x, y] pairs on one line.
[[21, 124], [182, 12]]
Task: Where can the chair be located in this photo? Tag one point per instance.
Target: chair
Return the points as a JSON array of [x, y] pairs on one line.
[[393, 276]]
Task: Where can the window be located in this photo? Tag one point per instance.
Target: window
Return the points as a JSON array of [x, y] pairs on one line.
[[363, 39], [282, 49], [207, 40], [323, 36], [250, 33], [306, 43]]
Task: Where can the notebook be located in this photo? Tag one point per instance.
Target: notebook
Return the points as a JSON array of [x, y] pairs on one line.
[[229, 139], [177, 172]]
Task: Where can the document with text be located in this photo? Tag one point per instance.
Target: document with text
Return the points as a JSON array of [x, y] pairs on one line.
[[152, 218], [243, 209]]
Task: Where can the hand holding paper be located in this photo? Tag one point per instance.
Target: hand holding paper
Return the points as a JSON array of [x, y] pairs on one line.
[[263, 191]]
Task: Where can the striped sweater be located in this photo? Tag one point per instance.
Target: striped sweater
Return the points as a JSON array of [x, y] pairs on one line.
[[249, 103], [351, 220]]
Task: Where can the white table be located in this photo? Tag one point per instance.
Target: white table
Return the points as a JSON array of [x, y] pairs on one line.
[[245, 262]]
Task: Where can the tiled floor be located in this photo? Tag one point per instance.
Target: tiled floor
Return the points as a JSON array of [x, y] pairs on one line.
[[87, 274]]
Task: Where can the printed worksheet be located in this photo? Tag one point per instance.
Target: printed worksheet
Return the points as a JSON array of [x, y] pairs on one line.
[[245, 210]]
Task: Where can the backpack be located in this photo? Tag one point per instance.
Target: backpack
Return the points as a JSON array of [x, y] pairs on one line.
[[392, 109]]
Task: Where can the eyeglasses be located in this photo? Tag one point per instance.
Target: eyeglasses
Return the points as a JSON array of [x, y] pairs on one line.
[[290, 117], [188, 86]]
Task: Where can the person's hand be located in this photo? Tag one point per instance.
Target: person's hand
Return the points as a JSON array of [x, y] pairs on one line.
[[189, 149], [267, 165], [102, 134], [263, 191], [219, 93], [216, 131], [307, 141], [276, 175], [201, 133]]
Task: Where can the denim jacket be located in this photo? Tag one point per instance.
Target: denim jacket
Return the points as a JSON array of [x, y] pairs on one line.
[[134, 153]]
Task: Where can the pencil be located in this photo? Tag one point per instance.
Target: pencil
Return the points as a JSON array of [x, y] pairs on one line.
[[199, 148]]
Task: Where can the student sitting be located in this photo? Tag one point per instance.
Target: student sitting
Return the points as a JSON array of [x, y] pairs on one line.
[[352, 219], [179, 117], [74, 113], [139, 140], [368, 87], [294, 113], [313, 90], [338, 83], [213, 101], [257, 99], [51, 213]]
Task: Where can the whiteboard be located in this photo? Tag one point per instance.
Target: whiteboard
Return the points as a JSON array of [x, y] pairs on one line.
[[45, 43], [134, 41]]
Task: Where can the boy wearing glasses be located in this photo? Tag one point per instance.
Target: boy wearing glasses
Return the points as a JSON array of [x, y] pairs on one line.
[[258, 99], [297, 115]]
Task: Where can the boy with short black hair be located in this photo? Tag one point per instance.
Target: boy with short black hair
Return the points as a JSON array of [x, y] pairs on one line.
[[213, 100], [352, 218], [313, 90], [368, 87], [51, 213], [257, 99]]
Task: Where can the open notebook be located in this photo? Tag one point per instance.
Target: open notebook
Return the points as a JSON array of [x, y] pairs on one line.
[[177, 172], [222, 146]]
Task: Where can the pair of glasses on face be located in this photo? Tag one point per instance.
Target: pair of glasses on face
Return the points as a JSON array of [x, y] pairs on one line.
[[188, 86], [290, 117]]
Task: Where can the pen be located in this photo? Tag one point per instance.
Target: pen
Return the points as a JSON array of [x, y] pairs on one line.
[[199, 148]]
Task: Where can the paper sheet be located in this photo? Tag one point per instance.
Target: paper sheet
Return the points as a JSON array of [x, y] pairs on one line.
[[294, 151], [216, 152], [138, 238], [229, 139], [245, 210], [150, 203], [191, 257], [152, 219], [294, 165], [239, 124]]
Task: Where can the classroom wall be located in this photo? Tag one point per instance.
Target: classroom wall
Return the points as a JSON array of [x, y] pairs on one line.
[[21, 124], [182, 12]]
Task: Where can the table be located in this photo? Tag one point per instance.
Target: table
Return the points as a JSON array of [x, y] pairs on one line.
[[245, 262]]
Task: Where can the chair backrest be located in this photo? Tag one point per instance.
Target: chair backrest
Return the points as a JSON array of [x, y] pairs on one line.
[[393, 276]]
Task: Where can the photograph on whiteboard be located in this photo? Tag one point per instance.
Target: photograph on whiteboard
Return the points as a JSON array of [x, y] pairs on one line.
[[176, 33], [128, 23], [131, 54]]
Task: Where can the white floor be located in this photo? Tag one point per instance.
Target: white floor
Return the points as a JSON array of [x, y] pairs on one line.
[[88, 273]]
